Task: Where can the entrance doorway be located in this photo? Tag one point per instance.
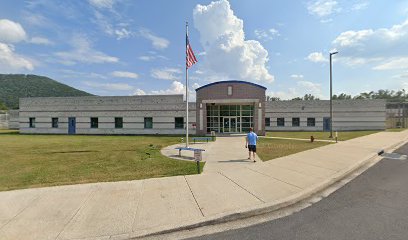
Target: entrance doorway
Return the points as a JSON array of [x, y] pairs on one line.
[[71, 125], [326, 124], [230, 125]]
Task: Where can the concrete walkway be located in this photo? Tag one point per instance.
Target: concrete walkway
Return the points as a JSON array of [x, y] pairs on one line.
[[230, 186], [301, 139]]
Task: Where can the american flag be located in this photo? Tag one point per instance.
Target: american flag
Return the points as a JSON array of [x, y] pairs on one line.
[[190, 58]]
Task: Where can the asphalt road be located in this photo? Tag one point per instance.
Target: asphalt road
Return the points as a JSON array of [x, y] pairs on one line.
[[372, 206]]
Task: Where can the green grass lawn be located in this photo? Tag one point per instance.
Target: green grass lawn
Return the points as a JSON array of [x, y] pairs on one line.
[[45, 160], [342, 136], [268, 149], [396, 129], [8, 131]]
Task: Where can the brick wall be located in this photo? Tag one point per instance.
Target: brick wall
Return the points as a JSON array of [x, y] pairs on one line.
[[241, 92]]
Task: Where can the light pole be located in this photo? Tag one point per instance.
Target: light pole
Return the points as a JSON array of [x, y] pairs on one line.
[[331, 96]]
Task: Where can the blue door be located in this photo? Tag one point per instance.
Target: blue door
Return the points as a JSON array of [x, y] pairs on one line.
[[71, 125], [326, 124]]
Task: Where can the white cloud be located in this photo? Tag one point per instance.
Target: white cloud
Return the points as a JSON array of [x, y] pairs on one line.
[[109, 86], [387, 48], [394, 63], [83, 52], [102, 3], [147, 58], [296, 76], [166, 73], [404, 85], [41, 41], [124, 74], [109, 25], [310, 87], [323, 8], [228, 54], [176, 87], [403, 75], [266, 35], [11, 32], [157, 42], [316, 57], [12, 62], [139, 92], [360, 6], [152, 55], [299, 90], [122, 33]]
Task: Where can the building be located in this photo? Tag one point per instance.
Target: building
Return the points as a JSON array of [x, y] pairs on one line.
[[4, 120], [222, 107], [314, 115], [397, 114]]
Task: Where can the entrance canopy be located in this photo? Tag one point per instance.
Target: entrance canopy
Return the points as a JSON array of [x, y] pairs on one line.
[[230, 107]]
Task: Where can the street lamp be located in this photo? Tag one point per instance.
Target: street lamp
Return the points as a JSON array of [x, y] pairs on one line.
[[331, 96]]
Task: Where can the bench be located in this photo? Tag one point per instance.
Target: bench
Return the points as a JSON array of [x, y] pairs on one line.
[[188, 149], [201, 138]]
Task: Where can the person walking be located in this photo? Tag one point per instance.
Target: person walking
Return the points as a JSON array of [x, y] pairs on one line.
[[250, 143]]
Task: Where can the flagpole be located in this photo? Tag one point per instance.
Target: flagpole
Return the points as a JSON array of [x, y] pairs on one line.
[[186, 88]]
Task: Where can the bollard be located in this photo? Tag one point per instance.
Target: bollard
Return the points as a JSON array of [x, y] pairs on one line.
[[311, 139], [198, 167]]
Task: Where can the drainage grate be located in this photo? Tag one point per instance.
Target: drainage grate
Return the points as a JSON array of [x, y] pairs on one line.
[[395, 156]]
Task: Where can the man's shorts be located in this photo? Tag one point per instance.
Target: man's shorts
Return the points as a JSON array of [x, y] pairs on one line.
[[252, 148]]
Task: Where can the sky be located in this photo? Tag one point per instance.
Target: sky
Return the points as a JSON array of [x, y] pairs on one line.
[[126, 47]]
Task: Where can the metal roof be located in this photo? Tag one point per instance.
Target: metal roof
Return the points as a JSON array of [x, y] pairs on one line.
[[231, 81]]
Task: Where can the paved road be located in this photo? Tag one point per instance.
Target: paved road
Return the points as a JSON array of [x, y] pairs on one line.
[[372, 206]]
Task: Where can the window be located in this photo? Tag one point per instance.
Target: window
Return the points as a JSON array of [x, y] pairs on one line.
[[54, 122], [295, 122], [32, 122], [118, 122], [179, 122], [280, 122], [311, 122], [94, 122], [267, 122], [148, 122], [229, 90]]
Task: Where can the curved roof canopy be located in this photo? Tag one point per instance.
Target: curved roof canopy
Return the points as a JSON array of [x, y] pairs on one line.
[[230, 81]]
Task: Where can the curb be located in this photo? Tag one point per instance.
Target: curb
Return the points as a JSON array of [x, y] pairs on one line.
[[270, 206]]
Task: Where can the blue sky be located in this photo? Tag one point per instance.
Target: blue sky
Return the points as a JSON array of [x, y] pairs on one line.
[[125, 47]]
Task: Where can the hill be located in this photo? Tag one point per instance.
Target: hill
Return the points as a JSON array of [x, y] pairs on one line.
[[15, 86]]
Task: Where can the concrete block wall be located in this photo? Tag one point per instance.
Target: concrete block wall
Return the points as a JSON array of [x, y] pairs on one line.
[[162, 108], [347, 114], [4, 120]]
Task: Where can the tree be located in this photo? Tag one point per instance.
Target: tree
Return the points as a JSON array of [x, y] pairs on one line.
[[2, 106], [309, 97], [271, 99], [341, 96]]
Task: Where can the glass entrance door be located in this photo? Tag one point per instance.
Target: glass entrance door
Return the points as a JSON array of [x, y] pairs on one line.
[[230, 124]]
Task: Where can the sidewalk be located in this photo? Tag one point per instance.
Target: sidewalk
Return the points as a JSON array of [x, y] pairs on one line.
[[229, 187]]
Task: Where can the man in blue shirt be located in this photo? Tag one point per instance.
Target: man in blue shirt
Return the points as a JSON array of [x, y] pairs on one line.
[[251, 143]]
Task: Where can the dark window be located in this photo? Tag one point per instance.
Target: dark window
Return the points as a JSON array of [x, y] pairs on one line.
[[311, 122], [118, 122], [295, 122], [267, 122], [94, 122], [32, 122], [148, 122], [280, 122], [179, 122], [54, 122]]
